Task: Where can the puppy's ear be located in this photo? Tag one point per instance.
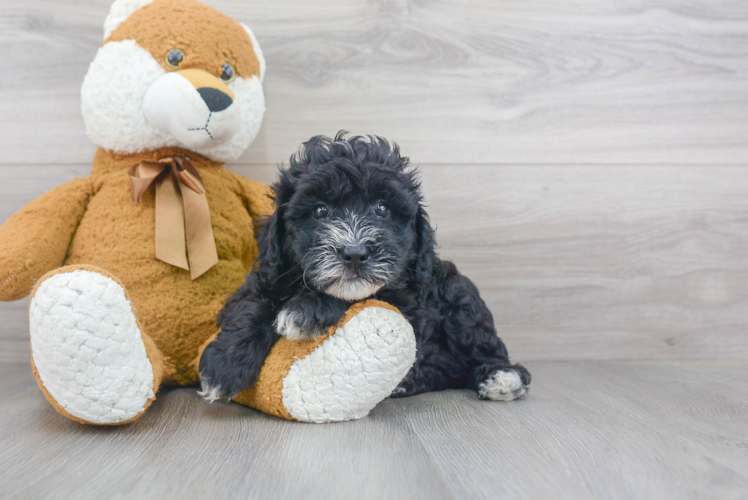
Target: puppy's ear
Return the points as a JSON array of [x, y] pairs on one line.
[[271, 236], [270, 242], [425, 248]]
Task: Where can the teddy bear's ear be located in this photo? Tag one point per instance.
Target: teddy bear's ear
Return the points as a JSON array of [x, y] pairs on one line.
[[258, 50], [121, 10]]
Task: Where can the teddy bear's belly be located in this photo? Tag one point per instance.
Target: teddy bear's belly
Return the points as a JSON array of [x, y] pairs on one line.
[[179, 314]]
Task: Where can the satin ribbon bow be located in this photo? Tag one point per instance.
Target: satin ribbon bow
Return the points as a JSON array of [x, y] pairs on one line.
[[183, 228]]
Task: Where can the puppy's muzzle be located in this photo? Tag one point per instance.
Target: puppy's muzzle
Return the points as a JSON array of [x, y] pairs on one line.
[[354, 257]]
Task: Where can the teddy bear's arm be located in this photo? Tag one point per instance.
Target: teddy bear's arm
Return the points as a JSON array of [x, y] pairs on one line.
[[257, 197], [35, 239]]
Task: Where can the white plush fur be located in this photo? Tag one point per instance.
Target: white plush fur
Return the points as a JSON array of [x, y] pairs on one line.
[[88, 349], [113, 95], [502, 386], [352, 371], [249, 96], [112, 98], [173, 106], [119, 11]]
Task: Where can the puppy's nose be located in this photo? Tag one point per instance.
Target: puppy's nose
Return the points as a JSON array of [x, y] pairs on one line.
[[354, 257]]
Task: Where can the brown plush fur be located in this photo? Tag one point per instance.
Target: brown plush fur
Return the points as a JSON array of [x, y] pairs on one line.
[[207, 37], [94, 222], [36, 239], [266, 395], [178, 313]]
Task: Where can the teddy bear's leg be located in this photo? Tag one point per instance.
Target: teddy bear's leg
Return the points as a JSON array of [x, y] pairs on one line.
[[339, 376], [91, 359]]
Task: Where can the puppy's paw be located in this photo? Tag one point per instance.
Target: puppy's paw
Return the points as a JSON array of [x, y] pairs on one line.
[[406, 387], [503, 385], [291, 324], [399, 392], [305, 319], [224, 375], [209, 393]]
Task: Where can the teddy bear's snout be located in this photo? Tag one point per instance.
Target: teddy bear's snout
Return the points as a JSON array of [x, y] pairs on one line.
[[193, 106]]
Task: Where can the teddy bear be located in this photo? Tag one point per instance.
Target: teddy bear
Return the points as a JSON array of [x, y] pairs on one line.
[[128, 268]]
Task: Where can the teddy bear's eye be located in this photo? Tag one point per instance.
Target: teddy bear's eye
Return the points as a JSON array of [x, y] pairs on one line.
[[174, 57], [228, 73]]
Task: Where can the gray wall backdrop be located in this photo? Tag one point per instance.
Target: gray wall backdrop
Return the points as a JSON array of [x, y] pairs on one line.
[[585, 162]]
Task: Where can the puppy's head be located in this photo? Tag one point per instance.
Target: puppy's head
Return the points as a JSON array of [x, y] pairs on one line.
[[348, 220]]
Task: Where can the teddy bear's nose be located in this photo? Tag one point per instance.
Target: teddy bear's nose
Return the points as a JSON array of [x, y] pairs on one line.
[[215, 99]]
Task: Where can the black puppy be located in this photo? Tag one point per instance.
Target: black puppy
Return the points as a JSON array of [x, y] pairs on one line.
[[349, 224]]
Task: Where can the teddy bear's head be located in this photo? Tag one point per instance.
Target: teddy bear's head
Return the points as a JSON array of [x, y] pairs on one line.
[[174, 73]]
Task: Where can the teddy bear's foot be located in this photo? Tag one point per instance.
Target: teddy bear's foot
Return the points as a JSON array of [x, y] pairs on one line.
[[356, 368], [88, 353], [340, 376]]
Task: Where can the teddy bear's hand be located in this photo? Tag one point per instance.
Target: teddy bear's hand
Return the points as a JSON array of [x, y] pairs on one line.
[[36, 239], [308, 315]]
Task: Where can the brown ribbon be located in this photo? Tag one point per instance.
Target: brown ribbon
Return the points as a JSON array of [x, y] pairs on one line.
[[183, 225]]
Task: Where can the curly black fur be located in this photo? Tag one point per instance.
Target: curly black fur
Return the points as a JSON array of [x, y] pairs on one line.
[[371, 202]]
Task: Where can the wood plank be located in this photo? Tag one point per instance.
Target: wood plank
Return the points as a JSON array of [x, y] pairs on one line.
[[14, 332], [467, 81], [626, 262], [607, 262], [595, 430], [586, 430], [185, 448]]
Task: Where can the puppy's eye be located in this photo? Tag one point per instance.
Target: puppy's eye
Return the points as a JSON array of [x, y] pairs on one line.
[[382, 209], [320, 212], [228, 73], [174, 57]]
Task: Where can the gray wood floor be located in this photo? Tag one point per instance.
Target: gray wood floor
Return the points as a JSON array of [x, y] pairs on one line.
[[587, 430]]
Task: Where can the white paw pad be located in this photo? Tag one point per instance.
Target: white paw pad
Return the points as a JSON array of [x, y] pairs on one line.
[[87, 347], [502, 385]]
